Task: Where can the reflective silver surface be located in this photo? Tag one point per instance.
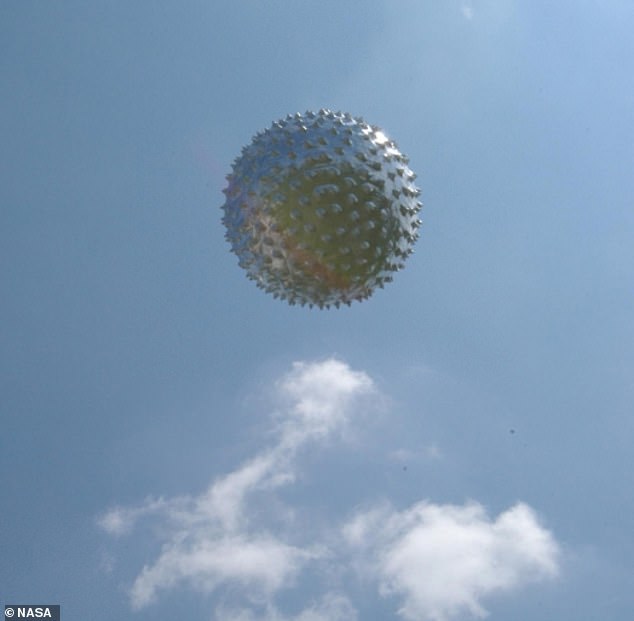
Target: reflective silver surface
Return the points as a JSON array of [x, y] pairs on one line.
[[321, 208]]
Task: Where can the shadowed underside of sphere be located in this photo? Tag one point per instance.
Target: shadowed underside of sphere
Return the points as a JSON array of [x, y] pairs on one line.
[[321, 209]]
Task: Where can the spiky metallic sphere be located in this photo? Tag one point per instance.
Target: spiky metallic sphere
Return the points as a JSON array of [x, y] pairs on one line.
[[321, 209]]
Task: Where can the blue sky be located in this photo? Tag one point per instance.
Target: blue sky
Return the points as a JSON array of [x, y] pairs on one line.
[[175, 442]]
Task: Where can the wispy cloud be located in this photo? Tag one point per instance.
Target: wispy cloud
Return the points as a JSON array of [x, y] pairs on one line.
[[120, 520], [437, 561], [466, 9], [331, 607], [208, 540], [261, 564]]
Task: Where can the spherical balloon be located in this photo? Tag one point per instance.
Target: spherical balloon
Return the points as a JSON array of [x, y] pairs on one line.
[[321, 209]]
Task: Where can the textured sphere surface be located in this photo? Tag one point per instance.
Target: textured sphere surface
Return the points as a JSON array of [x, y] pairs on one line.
[[321, 209]]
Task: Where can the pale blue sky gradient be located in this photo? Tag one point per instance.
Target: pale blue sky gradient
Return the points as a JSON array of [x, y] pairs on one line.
[[138, 361]]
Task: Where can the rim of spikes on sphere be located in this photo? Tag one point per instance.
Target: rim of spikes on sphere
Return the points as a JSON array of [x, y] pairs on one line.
[[321, 209]]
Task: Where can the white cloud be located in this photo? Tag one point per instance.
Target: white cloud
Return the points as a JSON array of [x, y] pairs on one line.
[[262, 564], [442, 560], [224, 501], [320, 396], [208, 540], [437, 561]]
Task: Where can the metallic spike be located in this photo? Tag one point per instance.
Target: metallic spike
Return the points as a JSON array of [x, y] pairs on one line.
[[327, 189]]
